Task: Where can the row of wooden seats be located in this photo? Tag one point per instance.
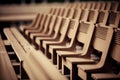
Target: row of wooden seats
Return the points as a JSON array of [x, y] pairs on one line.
[[58, 31], [65, 23], [114, 6], [33, 66]]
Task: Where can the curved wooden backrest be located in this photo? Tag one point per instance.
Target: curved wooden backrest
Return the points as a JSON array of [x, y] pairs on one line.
[[84, 34], [64, 25], [46, 24], [102, 17], [88, 5], [84, 15], [77, 14], [107, 6], [65, 12], [101, 41], [97, 6], [57, 11], [61, 12], [113, 18], [70, 13], [51, 25], [82, 5], [38, 21], [115, 51], [42, 22], [102, 7], [114, 6], [35, 20], [71, 32], [92, 16], [57, 24]]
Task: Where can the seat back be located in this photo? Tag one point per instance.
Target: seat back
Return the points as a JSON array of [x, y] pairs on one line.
[[102, 17], [46, 24], [65, 12], [115, 50], [57, 11], [88, 5], [114, 6], [77, 14], [84, 15], [61, 12], [92, 16], [83, 36], [63, 28], [102, 6], [82, 5], [101, 42], [70, 13], [52, 24], [57, 24], [107, 6], [38, 21], [42, 22], [113, 18], [71, 32], [35, 20], [97, 6]]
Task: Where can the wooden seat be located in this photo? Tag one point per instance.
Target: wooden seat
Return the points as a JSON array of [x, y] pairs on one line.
[[79, 47], [53, 36], [70, 13], [114, 6], [6, 68], [67, 41], [60, 36], [113, 68], [113, 19], [32, 25], [92, 16], [42, 28], [49, 30], [40, 25], [77, 14], [102, 17], [100, 45], [107, 6]]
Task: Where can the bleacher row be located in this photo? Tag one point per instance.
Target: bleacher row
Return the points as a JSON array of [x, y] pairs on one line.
[[81, 39]]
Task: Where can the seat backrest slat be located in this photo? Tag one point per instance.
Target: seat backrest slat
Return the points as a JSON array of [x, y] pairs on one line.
[[115, 50]]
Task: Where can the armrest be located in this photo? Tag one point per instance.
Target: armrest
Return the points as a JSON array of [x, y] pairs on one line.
[[68, 53], [58, 47], [38, 35], [102, 76], [78, 60], [31, 31]]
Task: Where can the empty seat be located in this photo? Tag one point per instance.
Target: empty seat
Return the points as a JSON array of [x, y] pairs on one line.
[[113, 71], [100, 46], [79, 47], [66, 42]]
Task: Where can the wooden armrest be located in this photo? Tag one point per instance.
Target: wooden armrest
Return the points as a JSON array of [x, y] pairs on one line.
[[51, 42], [74, 60], [68, 53], [37, 40], [57, 47], [103, 76], [37, 35], [31, 31], [88, 67]]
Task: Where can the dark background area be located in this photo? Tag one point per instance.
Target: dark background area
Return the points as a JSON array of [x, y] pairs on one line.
[[2, 2]]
